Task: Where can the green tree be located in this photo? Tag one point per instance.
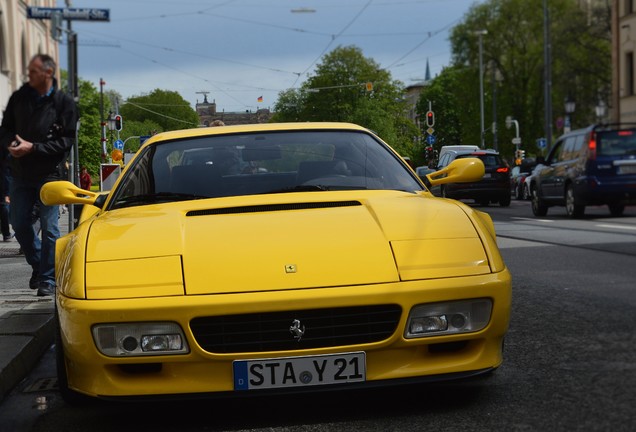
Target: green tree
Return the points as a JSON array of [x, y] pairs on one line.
[[160, 110], [89, 136], [347, 87], [513, 53]]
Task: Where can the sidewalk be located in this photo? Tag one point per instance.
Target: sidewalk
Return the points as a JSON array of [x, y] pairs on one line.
[[26, 320]]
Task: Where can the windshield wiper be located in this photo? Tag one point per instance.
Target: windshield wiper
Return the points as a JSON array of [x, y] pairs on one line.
[[299, 188], [155, 198]]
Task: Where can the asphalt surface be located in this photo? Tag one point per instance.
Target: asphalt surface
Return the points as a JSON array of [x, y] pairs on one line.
[[26, 320]]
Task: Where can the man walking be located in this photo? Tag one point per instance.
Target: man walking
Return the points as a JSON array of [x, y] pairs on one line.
[[38, 126]]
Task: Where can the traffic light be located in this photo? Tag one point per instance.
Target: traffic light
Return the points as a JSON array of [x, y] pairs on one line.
[[430, 119], [118, 122], [116, 155]]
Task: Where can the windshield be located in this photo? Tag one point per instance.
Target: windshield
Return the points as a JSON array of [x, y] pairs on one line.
[[260, 163], [616, 143]]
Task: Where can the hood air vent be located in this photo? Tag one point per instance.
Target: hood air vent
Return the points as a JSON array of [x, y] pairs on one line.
[[273, 207]]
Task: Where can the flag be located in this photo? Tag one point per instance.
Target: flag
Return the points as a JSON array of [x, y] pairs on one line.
[[260, 98]]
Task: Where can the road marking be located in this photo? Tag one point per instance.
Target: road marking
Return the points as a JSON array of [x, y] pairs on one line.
[[616, 226], [533, 219]]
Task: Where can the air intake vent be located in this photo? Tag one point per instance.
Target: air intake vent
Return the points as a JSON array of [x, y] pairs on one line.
[[271, 331], [272, 208]]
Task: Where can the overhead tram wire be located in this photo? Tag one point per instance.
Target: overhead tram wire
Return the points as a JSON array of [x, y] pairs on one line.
[[333, 38], [430, 35], [159, 114]]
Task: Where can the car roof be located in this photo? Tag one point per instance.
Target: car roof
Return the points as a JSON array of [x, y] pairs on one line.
[[257, 127]]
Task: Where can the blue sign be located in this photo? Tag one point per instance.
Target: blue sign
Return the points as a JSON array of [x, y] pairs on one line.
[[119, 145], [542, 143], [430, 139], [75, 14]]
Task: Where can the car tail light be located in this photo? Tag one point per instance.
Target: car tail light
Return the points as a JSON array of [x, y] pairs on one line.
[[503, 170], [592, 147]]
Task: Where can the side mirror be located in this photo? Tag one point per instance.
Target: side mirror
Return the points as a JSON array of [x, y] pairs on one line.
[[458, 171], [65, 192]]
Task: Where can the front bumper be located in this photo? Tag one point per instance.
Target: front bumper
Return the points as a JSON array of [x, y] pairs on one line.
[[199, 372]]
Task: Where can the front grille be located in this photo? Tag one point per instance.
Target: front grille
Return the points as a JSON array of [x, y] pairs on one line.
[[261, 332]]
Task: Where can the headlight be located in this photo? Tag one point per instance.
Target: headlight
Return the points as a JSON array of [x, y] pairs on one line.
[[436, 319], [140, 339]]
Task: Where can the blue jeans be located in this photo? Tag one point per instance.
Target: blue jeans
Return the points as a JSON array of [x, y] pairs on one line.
[[40, 254], [4, 218]]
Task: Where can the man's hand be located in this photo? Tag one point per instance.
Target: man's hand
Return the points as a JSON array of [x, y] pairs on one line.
[[20, 147]]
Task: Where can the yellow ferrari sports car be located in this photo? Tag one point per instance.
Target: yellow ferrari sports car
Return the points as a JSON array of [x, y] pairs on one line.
[[274, 258]]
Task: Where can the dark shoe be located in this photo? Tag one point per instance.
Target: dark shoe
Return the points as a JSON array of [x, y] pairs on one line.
[[34, 282], [46, 289], [7, 238]]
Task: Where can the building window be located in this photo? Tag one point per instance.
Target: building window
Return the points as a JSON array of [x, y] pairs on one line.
[[629, 7], [629, 74]]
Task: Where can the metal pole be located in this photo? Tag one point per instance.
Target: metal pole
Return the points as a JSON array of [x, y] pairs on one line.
[[481, 86], [494, 106], [547, 69]]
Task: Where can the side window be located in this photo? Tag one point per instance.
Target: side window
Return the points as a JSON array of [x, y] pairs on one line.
[[578, 146], [553, 157], [567, 149], [443, 160]]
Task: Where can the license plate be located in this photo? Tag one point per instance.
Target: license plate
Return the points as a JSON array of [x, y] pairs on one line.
[[487, 175], [627, 169], [299, 371]]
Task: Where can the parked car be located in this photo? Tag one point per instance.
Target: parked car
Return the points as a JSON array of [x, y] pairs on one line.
[[493, 187], [518, 176], [591, 166], [273, 258]]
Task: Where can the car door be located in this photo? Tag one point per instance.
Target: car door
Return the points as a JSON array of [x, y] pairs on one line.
[[545, 178]]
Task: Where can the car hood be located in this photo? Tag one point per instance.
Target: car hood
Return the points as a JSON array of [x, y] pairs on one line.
[[298, 241]]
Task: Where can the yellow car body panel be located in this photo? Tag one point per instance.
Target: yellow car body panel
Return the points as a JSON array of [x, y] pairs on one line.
[[197, 257], [202, 372]]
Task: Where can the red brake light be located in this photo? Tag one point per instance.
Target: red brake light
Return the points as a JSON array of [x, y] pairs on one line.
[[625, 133], [592, 147], [502, 170]]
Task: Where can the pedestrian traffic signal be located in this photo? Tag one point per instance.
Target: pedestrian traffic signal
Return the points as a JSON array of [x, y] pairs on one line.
[[118, 122], [430, 119]]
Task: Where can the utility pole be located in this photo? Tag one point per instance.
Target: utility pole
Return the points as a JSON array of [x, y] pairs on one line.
[[547, 69], [481, 33]]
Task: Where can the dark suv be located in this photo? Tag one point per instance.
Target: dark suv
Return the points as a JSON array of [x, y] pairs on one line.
[[493, 187], [591, 166]]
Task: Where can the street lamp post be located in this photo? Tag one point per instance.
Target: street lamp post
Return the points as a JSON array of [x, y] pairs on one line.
[[601, 111], [481, 33], [570, 106]]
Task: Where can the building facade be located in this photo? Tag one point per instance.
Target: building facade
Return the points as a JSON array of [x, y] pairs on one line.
[[20, 39], [208, 114], [623, 107]]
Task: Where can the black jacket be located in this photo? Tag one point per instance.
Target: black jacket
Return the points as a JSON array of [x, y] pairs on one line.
[[49, 122]]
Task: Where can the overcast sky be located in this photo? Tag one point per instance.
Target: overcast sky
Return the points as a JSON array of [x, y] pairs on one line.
[[239, 50]]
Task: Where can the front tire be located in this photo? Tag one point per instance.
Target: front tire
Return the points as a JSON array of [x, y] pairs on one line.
[[539, 207], [526, 193], [573, 209], [505, 201]]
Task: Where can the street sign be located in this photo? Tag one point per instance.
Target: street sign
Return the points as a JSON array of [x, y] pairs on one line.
[[516, 141], [119, 144], [74, 14], [430, 139], [430, 131], [542, 143]]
